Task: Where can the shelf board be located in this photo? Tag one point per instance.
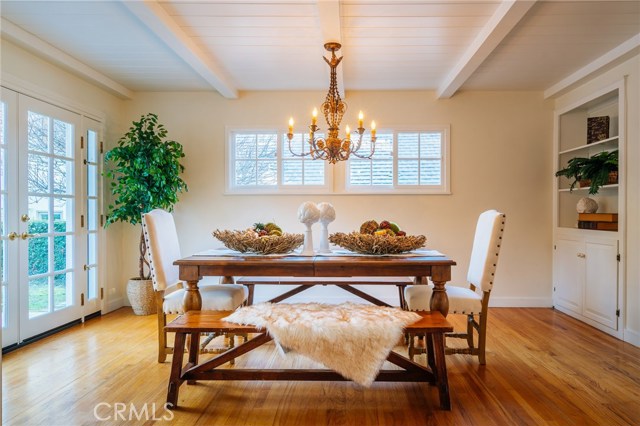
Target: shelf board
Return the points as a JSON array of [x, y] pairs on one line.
[[586, 188], [591, 145]]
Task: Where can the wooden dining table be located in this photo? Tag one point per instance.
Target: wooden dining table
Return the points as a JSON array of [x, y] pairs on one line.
[[437, 268]]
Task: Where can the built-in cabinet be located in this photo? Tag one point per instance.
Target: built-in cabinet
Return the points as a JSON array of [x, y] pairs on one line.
[[587, 283]]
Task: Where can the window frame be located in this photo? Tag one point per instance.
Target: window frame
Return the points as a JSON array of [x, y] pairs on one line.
[[336, 176]]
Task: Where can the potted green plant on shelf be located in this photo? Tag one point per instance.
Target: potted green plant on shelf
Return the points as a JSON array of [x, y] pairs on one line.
[[144, 169], [595, 171]]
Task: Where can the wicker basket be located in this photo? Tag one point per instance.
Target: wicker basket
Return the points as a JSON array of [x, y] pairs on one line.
[[377, 244], [141, 297], [248, 242]]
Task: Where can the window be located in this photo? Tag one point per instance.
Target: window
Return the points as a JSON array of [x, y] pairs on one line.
[[404, 161], [411, 161], [261, 162]]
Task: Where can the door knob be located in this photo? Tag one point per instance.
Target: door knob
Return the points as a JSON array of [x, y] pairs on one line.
[[26, 235], [582, 255], [25, 218], [12, 236]]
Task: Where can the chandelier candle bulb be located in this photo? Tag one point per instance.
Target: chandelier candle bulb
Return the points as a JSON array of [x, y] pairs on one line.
[[360, 119], [348, 131], [291, 125], [373, 131], [314, 117]]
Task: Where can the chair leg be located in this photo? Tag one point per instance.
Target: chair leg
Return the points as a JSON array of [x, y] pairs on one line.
[[482, 338], [162, 335], [470, 332]]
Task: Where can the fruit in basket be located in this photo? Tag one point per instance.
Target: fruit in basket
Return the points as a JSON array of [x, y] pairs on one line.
[[266, 229], [272, 227], [374, 228], [369, 227]]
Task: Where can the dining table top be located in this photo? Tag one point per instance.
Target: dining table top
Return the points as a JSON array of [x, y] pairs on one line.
[[310, 266]]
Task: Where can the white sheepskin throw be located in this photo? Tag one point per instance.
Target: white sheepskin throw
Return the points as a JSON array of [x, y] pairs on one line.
[[353, 340]]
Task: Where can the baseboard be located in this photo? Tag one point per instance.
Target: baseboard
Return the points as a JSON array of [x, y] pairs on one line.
[[113, 304], [521, 302], [632, 336]]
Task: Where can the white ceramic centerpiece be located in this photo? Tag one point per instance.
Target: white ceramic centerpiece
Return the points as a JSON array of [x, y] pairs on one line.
[[308, 213], [327, 215]]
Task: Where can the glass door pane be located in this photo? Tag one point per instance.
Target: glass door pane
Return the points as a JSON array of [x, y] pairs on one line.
[[51, 211], [92, 193]]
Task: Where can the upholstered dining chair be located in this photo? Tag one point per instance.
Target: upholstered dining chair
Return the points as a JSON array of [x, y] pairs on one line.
[[472, 301], [163, 248]]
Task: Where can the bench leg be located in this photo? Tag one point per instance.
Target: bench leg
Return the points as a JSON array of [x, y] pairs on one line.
[[194, 352], [440, 369], [176, 370]]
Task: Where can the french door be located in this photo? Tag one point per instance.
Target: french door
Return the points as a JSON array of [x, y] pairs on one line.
[[49, 217]]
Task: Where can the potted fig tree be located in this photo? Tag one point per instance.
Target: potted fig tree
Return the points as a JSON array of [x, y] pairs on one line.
[[144, 169]]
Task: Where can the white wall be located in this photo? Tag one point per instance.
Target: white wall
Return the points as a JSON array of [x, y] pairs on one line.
[[631, 275], [25, 73], [500, 149]]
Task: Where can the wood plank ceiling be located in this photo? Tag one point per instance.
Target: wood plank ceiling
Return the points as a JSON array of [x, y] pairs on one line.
[[233, 46]]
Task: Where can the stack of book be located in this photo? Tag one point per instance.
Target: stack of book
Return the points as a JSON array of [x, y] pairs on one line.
[[598, 221]]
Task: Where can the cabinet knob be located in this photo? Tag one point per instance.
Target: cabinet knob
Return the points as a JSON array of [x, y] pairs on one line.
[[582, 255]]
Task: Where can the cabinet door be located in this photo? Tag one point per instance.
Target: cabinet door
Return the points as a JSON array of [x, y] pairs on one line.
[[601, 282], [568, 274]]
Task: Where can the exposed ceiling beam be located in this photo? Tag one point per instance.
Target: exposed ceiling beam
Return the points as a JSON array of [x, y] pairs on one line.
[[329, 17], [506, 17], [163, 26], [53, 54], [613, 57]]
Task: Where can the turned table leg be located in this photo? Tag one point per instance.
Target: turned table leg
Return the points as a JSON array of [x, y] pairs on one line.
[[439, 299], [192, 299]]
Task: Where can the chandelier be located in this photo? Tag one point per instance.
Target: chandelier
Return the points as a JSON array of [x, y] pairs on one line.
[[331, 147]]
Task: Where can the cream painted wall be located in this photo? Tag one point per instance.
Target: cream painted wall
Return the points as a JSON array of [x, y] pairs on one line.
[[25, 73], [500, 150], [631, 274]]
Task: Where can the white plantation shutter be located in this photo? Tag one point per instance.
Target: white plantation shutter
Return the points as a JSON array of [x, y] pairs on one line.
[[403, 162], [378, 171], [420, 158], [300, 170]]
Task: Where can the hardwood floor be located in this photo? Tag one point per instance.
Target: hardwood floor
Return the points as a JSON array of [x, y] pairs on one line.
[[543, 368]]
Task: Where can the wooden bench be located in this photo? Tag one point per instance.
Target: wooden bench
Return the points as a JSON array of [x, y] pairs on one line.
[[345, 283], [432, 324]]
